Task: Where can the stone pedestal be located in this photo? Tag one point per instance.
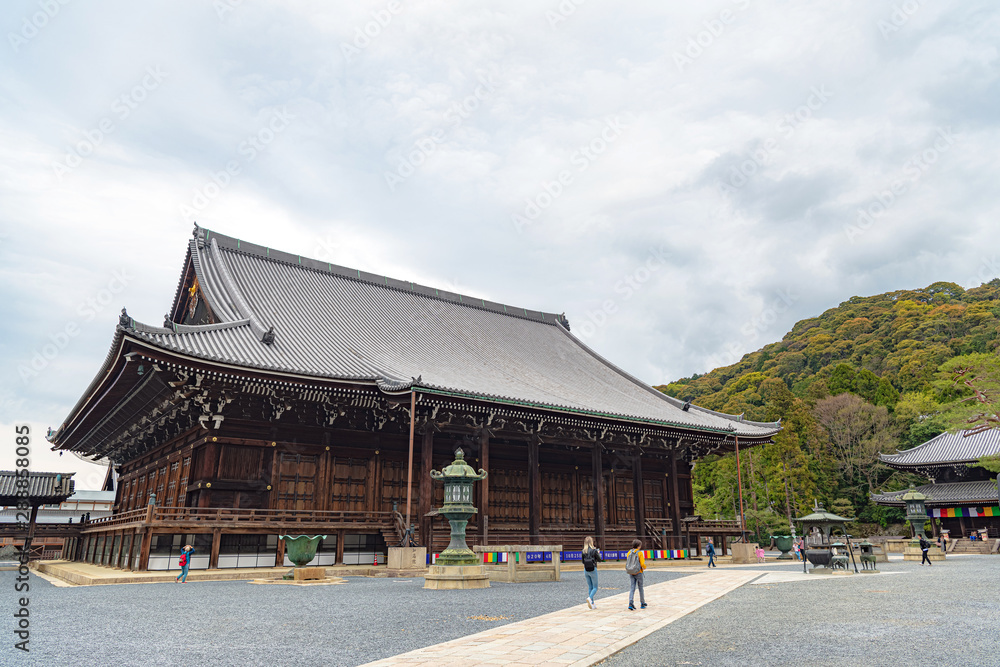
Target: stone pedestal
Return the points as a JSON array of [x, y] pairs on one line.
[[913, 552], [456, 577], [307, 573], [744, 553], [407, 558]]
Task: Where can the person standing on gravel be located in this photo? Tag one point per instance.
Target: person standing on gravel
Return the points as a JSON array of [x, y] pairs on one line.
[[590, 556], [924, 548], [710, 550], [185, 563], [635, 565]]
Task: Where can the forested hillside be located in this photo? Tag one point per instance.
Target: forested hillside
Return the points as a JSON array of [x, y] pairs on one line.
[[874, 374]]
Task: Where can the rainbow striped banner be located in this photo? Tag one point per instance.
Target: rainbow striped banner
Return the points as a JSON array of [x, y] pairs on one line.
[[668, 554], [494, 558], [954, 512]]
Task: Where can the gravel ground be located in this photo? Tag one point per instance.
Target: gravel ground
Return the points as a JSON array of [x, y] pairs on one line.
[[239, 623], [945, 614]]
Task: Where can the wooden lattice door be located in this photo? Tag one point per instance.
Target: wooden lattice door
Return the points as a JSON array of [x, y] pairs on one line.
[[296, 481], [349, 476]]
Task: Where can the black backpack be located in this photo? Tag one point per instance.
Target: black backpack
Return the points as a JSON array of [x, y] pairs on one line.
[[588, 560]]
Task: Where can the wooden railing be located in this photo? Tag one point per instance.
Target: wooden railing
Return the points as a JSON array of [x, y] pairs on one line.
[[236, 516], [116, 520]]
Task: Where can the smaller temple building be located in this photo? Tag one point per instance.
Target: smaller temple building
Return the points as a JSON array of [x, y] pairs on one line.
[[960, 498]]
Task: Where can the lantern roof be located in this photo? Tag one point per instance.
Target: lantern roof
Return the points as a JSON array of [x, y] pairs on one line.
[[459, 468], [913, 494]]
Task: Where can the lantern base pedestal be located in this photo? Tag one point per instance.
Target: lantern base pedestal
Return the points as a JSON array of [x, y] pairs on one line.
[[913, 552], [456, 577]]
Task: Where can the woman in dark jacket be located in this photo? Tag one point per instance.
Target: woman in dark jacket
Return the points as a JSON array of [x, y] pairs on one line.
[[590, 557]]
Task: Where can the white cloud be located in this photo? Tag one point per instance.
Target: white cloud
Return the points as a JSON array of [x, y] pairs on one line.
[[318, 187]]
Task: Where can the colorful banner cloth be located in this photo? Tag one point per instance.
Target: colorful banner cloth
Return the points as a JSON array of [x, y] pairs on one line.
[[570, 556], [952, 512]]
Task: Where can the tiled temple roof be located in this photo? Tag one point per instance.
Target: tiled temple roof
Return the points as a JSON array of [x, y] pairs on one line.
[[951, 493], [342, 324], [43, 487], [947, 449]]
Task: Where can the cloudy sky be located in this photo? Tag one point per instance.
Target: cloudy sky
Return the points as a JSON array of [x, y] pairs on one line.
[[683, 180]]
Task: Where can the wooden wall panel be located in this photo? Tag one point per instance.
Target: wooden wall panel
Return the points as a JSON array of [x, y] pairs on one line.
[[238, 463], [349, 492]]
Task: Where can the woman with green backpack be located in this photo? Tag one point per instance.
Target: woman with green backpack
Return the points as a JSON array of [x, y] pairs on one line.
[[635, 564], [590, 557]]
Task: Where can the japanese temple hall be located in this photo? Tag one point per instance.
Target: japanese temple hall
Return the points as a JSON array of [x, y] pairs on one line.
[[961, 497], [283, 395]]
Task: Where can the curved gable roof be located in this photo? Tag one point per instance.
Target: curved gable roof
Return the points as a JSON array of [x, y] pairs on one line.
[[342, 324], [947, 449]]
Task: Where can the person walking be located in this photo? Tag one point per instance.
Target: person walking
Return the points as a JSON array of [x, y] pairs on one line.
[[924, 548], [635, 565], [185, 563], [590, 557], [710, 550]]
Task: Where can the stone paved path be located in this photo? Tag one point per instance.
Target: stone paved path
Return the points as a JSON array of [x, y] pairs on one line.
[[579, 636]]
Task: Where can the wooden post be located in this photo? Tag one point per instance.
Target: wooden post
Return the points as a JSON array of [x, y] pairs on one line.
[[426, 485], [484, 486], [639, 495], [739, 484], [598, 475], [340, 548], [279, 554], [31, 530], [534, 494], [409, 460], [213, 558], [557, 564], [675, 499], [147, 543]]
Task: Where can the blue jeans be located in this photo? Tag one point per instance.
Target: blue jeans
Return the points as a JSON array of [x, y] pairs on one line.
[[636, 581], [184, 573], [711, 560], [591, 584]]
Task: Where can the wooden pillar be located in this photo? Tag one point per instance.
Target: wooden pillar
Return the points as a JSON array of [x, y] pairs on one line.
[[675, 498], [213, 558], [340, 548], [279, 554], [484, 486], [534, 494], [147, 543], [598, 476], [639, 495], [426, 485], [409, 459], [31, 530]]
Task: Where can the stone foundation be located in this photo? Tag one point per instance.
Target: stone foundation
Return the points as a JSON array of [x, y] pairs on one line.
[[914, 553], [456, 577]]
